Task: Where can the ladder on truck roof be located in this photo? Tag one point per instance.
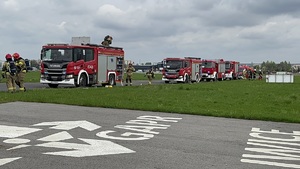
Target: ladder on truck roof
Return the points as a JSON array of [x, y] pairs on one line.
[[192, 58], [96, 45], [57, 44]]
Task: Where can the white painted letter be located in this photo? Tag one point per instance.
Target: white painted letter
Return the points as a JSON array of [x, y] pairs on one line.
[[145, 129], [147, 122], [157, 118], [271, 163], [103, 134], [257, 135]]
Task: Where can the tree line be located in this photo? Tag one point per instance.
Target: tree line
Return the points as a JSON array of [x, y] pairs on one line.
[[270, 66]]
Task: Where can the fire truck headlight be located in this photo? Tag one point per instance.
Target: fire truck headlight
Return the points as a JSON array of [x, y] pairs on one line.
[[69, 76]]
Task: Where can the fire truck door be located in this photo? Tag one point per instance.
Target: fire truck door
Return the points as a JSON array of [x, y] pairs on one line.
[[195, 69], [102, 68], [105, 64], [236, 67], [111, 63], [221, 68]]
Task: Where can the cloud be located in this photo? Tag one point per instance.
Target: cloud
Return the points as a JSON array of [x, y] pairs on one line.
[[150, 30], [12, 5]]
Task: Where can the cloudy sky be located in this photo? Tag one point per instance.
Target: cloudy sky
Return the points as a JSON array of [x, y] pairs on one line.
[[150, 30]]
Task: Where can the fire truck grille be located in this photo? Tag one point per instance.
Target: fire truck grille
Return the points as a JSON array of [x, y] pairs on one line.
[[56, 74], [172, 73]]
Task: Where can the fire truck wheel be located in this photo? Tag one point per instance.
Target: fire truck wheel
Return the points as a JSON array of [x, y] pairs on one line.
[[53, 85], [167, 81], [82, 81], [112, 80]]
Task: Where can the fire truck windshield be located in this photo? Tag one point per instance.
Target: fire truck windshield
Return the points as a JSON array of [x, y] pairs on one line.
[[208, 64], [227, 65], [56, 55], [173, 64]]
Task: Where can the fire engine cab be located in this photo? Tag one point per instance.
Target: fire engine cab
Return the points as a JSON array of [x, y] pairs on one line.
[[231, 70], [81, 65], [213, 70], [181, 70]]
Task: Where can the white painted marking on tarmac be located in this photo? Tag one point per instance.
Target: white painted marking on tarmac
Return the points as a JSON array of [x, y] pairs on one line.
[[271, 157], [57, 137], [93, 148], [4, 161], [13, 131], [143, 126], [68, 125], [270, 163], [273, 148], [273, 142], [16, 141], [19, 146]]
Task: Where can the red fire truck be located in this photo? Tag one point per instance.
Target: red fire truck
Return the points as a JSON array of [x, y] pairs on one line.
[[181, 70], [213, 70], [81, 65], [231, 70]]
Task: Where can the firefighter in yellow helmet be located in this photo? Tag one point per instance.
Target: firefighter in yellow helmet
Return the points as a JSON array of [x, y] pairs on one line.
[[21, 71], [129, 71], [9, 72]]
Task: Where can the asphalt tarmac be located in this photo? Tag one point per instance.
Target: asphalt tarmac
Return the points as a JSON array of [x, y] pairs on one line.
[[38, 135]]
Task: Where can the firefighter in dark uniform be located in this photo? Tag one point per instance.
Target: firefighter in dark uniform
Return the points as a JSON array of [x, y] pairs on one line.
[[260, 75], [107, 40], [9, 74], [250, 75], [150, 75], [21, 71], [129, 71]]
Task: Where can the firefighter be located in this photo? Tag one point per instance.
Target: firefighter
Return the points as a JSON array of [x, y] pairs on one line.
[[259, 75], [129, 71], [21, 71], [250, 74], [107, 40], [245, 74], [9, 72], [150, 75], [254, 74]]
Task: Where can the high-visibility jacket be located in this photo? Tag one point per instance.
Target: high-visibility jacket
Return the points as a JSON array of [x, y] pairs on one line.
[[21, 65]]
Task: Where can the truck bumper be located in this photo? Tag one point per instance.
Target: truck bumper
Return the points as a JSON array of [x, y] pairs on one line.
[[228, 76], [64, 82], [207, 76], [172, 80]]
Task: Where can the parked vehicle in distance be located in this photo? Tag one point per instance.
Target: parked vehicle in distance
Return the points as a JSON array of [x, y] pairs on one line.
[[183, 70], [213, 70], [231, 70]]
